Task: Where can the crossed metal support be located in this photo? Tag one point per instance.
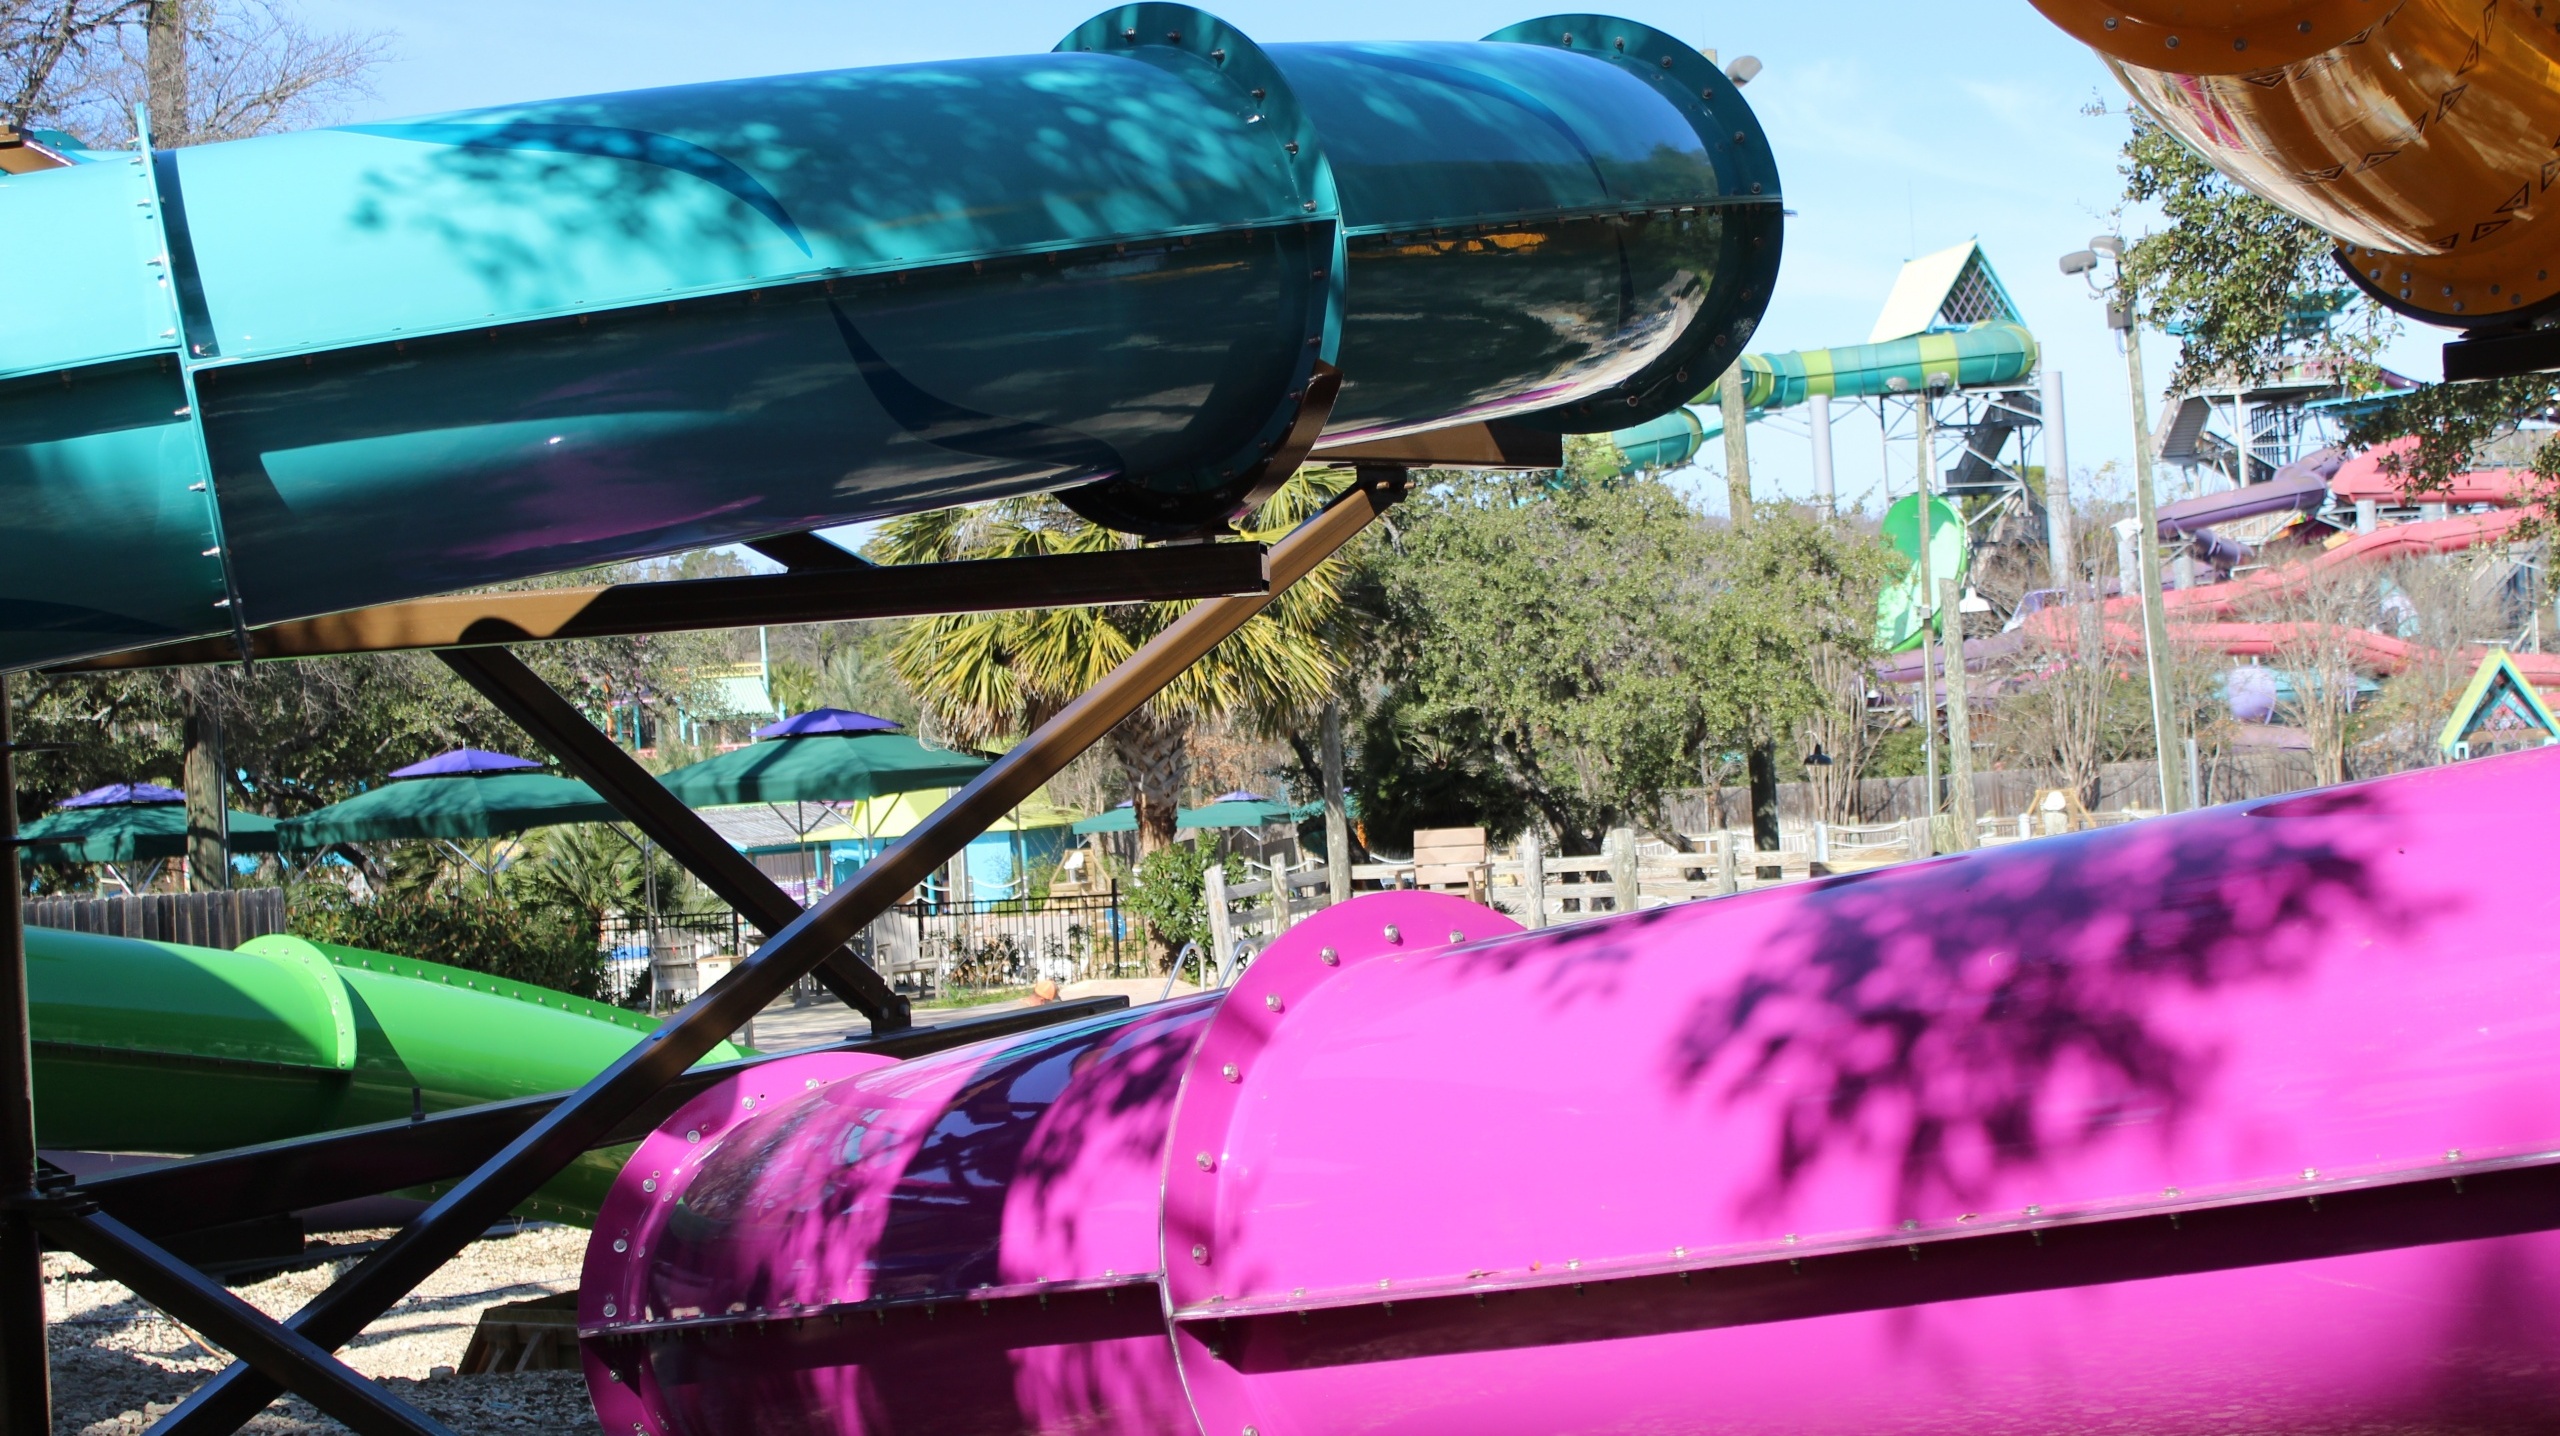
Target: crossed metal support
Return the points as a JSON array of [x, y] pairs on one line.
[[294, 1354], [618, 778]]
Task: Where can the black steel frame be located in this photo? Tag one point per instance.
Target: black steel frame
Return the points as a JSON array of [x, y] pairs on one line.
[[295, 1354]]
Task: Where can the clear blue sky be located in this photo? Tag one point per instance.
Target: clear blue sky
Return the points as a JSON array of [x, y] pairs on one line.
[[1899, 129]]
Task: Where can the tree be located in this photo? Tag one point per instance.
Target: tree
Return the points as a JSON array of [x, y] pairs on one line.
[[2246, 287], [1571, 652], [204, 69], [986, 677]]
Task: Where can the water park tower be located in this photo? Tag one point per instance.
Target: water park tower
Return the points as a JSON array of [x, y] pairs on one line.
[[1949, 336]]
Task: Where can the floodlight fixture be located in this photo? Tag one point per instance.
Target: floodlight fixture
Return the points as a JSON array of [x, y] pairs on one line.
[[1743, 70]]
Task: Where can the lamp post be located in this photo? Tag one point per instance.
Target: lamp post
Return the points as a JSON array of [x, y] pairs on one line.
[[2155, 615]]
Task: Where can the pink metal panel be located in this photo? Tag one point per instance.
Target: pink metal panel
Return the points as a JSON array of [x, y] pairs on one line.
[[2165, 1127]]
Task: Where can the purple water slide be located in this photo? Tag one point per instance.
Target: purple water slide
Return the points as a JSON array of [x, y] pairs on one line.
[[2301, 486], [2243, 1119]]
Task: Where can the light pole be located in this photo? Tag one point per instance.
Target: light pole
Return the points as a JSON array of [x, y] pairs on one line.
[[2155, 614]]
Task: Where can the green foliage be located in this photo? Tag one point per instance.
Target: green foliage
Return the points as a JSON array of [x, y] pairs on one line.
[[2453, 422], [594, 870], [2245, 286], [1168, 893], [1573, 655], [471, 928]]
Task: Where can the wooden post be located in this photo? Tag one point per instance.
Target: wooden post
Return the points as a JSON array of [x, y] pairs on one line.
[[1337, 811], [1737, 452], [1213, 895], [1959, 720], [1279, 894], [1533, 879], [1728, 876], [1822, 843], [1621, 847], [1920, 839]]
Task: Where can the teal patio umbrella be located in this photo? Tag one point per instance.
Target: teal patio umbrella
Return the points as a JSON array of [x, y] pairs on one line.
[[830, 755], [463, 794], [130, 822]]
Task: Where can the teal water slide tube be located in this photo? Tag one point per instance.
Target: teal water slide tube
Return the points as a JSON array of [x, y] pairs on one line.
[[299, 374], [165, 1048], [1984, 355]]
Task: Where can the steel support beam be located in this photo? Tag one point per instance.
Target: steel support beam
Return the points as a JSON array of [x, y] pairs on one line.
[[808, 553], [618, 778], [274, 1178], [808, 594], [1492, 444], [335, 1316], [276, 1352], [26, 1379]]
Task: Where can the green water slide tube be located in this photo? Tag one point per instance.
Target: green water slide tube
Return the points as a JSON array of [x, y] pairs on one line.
[[304, 373], [159, 1047], [1902, 611], [1983, 356]]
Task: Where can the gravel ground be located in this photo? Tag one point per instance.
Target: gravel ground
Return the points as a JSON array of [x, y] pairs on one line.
[[118, 1363]]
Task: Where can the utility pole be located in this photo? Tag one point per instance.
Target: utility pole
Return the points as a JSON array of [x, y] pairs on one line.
[[1762, 762], [2146, 548], [1825, 494], [1924, 424], [2057, 488], [1959, 722], [1737, 453]]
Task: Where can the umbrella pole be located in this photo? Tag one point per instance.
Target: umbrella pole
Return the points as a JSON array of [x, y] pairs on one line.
[[587, 1116], [26, 1375]]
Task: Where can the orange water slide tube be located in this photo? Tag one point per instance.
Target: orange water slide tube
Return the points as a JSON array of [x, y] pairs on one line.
[[2423, 135]]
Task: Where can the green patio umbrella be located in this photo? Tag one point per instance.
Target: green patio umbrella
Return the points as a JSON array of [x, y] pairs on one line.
[[130, 822], [463, 794], [1228, 810], [827, 756]]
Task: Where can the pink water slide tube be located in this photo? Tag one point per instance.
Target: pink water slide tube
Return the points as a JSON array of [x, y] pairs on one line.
[[2242, 1120]]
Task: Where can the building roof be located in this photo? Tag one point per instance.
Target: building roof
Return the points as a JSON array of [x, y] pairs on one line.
[[1954, 288]]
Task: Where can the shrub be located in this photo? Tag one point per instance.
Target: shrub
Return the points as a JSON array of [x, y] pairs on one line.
[[1168, 894], [543, 946]]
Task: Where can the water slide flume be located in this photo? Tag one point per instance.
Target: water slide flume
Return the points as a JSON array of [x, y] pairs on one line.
[[1986, 355], [164, 1048], [2085, 1111], [2414, 134], [301, 374]]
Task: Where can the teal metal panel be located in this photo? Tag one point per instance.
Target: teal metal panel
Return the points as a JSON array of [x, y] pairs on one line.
[[91, 282], [423, 355]]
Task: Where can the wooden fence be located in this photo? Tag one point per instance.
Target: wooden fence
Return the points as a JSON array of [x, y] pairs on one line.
[[215, 919], [2227, 776]]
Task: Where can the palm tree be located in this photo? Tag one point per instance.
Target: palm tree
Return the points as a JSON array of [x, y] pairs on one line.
[[983, 677]]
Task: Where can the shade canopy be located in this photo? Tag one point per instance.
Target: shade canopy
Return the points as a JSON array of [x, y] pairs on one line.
[[483, 805], [894, 816], [463, 761], [128, 832], [826, 720], [1238, 813], [118, 794], [826, 767]]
